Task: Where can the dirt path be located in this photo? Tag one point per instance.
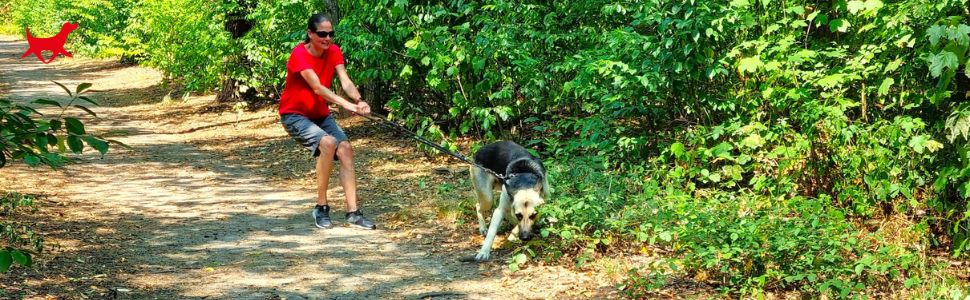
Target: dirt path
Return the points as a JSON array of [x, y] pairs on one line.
[[217, 206]]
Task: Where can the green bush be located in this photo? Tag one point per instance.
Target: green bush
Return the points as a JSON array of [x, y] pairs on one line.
[[43, 17], [184, 39]]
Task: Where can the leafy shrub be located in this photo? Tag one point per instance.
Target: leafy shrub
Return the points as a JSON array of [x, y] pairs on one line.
[[37, 139], [25, 134], [184, 39], [19, 239]]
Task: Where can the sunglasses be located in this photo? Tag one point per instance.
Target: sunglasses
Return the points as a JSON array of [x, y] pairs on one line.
[[324, 34]]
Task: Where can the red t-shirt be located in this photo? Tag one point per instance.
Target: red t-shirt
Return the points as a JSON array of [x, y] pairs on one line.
[[298, 97]]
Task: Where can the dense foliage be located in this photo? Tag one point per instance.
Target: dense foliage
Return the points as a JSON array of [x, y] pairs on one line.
[[820, 146]]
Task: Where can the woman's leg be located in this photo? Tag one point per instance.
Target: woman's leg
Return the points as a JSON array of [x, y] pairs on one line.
[[328, 145], [346, 176]]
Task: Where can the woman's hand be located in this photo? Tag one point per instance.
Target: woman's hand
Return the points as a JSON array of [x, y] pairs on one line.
[[363, 108]]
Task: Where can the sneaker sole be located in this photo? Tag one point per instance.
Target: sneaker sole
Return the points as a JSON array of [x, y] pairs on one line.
[[362, 227]]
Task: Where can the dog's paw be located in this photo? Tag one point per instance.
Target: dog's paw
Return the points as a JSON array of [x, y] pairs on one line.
[[483, 256]]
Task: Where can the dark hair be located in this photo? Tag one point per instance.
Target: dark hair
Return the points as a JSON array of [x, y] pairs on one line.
[[311, 24]]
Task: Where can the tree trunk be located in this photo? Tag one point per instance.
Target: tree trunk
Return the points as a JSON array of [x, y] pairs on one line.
[[237, 25], [332, 10]]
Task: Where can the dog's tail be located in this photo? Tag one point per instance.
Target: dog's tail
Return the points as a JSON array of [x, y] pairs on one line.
[[27, 29]]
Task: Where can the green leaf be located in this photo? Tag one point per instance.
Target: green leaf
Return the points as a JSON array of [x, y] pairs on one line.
[[405, 72], [41, 141], [123, 145], [831, 80], [960, 34], [677, 149], [749, 64], [886, 84], [918, 143], [21, 258], [503, 112], [855, 6], [935, 33], [88, 110], [413, 43], [64, 87], [32, 160], [666, 236], [74, 126], [944, 59], [88, 100], [873, 5], [61, 144], [753, 141], [81, 87], [426, 61], [95, 143], [740, 3], [932, 146], [520, 258], [478, 64], [912, 281], [715, 177], [48, 102], [5, 261], [74, 142], [839, 25]]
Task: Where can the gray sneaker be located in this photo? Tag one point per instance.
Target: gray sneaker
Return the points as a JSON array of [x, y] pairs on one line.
[[356, 219], [321, 216]]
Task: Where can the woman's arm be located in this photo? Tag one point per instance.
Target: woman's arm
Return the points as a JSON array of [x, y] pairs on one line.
[[351, 89], [314, 82], [347, 84]]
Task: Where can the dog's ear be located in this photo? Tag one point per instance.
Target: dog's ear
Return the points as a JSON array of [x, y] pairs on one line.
[[538, 186]]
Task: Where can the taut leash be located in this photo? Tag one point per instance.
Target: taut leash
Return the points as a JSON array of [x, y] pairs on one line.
[[399, 127]]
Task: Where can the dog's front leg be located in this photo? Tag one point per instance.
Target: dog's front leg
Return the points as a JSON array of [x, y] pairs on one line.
[[481, 209], [503, 204], [514, 234]]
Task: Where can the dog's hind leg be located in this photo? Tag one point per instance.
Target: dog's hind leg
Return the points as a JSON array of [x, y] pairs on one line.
[[482, 184], [503, 204]]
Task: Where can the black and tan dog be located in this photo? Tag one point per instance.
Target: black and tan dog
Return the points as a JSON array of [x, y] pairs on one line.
[[524, 190]]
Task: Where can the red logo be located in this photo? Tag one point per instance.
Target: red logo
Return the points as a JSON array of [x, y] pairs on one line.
[[54, 44]]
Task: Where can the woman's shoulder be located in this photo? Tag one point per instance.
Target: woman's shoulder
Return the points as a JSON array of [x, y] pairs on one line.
[[299, 48]]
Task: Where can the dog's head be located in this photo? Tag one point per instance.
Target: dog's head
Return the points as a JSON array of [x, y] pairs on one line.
[[527, 195], [68, 27]]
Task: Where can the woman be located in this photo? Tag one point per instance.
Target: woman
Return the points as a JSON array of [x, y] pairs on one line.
[[306, 116]]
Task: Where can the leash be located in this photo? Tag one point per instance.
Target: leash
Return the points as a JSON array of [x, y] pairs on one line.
[[399, 127]]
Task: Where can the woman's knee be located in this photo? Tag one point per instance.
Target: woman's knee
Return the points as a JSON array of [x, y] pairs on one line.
[[328, 144], [345, 151]]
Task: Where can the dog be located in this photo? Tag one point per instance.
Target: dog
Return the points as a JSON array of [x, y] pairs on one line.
[[54, 44], [525, 188]]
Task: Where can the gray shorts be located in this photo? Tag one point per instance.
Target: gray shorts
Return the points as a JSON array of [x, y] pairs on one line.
[[309, 132]]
